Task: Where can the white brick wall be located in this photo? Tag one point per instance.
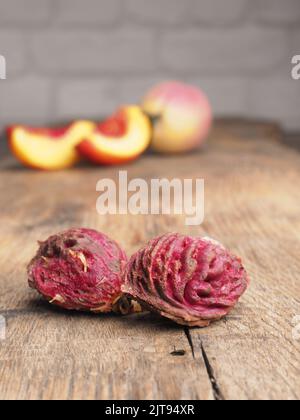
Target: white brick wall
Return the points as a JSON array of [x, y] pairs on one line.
[[86, 12], [25, 99], [93, 52], [24, 11], [86, 98], [72, 58], [216, 12], [276, 98], [228, 96], [131, 90], [295, 44], [158, 11], [243, 50], [13, 48], [277, 11]]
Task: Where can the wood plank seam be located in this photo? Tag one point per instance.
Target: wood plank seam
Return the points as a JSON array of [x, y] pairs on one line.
[[217, 393], [252, 206]]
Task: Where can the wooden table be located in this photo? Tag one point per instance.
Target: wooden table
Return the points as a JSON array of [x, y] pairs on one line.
[[252, 205]]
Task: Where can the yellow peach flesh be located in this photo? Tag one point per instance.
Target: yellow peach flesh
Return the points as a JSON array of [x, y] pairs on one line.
[[37, 151], [134, 142]]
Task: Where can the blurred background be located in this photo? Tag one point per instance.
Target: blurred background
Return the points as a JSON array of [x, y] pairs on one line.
[[83, 58]]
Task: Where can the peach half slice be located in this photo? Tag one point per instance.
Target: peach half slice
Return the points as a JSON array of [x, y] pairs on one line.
[[120, 139], [48, 149]]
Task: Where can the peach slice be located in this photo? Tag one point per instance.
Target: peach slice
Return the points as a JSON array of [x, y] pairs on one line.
[[48, 149], [120, 139], [182, 117]]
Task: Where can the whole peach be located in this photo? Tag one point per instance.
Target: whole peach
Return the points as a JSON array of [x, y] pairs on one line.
[[182, 117]]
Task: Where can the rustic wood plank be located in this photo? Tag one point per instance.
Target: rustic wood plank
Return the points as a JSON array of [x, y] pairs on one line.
[[49, 354], [254, 209], [52, 354], [252, 205]]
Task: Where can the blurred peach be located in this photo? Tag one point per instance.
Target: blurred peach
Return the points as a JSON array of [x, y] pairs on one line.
[[181, 114], [120, 139], [48, 148]]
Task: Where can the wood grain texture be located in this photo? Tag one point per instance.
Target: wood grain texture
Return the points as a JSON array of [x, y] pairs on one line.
[[252, 205]]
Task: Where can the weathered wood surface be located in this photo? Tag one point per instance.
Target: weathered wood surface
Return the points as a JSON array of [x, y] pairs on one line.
[[252, 205]]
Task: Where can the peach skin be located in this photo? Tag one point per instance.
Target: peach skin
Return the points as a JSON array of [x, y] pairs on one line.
[[48, 149], [181, 114], [120, 139]]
